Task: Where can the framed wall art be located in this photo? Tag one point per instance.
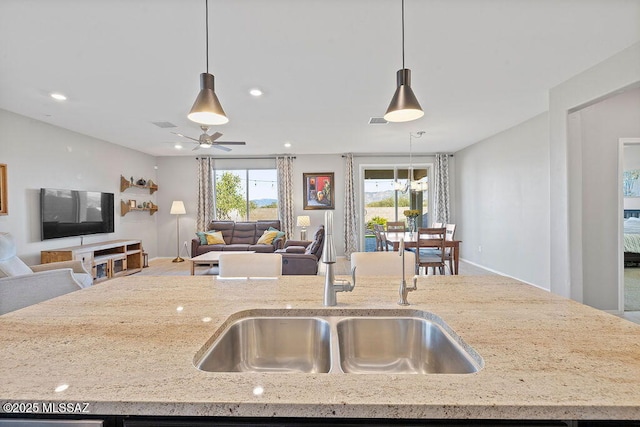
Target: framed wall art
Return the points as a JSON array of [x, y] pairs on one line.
[[318, 191], [4, 190]]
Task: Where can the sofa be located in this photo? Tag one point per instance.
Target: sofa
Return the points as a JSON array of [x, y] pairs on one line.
[[239, 236], [301, 257]]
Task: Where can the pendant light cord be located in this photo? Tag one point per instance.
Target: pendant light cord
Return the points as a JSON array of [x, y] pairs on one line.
[[403, 34], [206, 8]]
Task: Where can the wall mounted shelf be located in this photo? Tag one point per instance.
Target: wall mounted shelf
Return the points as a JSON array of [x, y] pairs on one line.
[[125, 183], [125, 208]]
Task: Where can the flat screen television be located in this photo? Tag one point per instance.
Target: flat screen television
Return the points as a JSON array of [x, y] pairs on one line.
[[66, 213]]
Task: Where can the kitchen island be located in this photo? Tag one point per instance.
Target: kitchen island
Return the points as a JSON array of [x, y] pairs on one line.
[[127, 347]]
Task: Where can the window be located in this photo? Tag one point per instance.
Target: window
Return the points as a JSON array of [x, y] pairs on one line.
[[246, 194], [387, 194]]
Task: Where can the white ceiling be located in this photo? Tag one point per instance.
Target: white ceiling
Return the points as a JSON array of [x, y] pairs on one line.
[[325, 66]]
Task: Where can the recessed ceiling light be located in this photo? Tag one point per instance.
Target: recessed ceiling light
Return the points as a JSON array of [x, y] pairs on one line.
[[58, 96], [255, 92], [287, 144], [178, 146]]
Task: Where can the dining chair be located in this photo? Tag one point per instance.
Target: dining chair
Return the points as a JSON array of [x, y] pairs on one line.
[[427, 240], [450, 231], [250, 265], [396, 227], [381, 238], [373, 264]]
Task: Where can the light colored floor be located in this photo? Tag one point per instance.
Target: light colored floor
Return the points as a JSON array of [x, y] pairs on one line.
[[165, 267]]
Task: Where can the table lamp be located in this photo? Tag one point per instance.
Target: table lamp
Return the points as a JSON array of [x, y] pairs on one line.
[[303, 221], [177, 209]]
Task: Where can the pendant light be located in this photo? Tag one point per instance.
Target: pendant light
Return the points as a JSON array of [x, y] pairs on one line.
[[207, 109], [404, 105]]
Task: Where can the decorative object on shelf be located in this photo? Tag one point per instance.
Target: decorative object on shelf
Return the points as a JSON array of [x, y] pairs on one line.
[[318, 191], [148, 185], [126, 207], [303, 221], [141, 182], [412, 215], [404, 105], [177, 209], [4, 189], [207, 110]]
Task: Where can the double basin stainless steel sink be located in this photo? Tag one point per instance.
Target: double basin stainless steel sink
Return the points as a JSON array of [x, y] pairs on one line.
[[349, 342]]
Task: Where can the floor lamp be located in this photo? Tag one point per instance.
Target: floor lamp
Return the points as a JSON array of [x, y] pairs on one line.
[[177, 209]]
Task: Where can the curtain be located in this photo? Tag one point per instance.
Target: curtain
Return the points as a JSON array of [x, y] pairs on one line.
[[441, 196], [205, 193], [350, 209], [285, 194]]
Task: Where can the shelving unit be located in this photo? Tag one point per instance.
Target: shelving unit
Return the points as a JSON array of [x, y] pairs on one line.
[[125, 208], [125, 183], [105, 260]]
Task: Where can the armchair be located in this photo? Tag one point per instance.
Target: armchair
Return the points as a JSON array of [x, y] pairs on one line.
[[21, 285], [301, 257]]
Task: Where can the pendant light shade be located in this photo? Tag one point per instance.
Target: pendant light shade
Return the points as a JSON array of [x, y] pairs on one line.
[[207, 109], [404, 105]]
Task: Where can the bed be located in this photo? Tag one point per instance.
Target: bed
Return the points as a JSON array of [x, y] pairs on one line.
[[631, 237]]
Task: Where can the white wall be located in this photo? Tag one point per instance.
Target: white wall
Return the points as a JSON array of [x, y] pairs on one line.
[[598, 129], [179, 178], [614, 74], [503, 202], [41, 155]]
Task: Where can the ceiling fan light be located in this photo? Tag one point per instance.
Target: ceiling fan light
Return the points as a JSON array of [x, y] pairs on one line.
[[404, 105], [206, 109]]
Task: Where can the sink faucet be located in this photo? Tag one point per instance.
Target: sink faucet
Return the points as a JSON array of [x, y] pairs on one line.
[[331, 288], [404, 290]]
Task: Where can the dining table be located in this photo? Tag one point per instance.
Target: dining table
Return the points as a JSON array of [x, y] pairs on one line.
[[411, 239]]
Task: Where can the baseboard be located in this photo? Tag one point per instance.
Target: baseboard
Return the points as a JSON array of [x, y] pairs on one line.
[[503, 274]]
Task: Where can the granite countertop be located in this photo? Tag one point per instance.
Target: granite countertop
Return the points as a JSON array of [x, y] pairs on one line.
[[127, 346]]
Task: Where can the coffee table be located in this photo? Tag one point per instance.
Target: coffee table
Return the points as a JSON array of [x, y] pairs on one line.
[[212, 258]]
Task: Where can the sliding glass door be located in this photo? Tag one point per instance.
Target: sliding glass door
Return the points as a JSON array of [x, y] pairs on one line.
[[388, 192]]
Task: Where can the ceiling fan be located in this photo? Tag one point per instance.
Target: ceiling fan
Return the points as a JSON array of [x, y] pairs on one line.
[[207, 141]]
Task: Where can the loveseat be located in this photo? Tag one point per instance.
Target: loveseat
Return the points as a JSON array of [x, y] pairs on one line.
[[239, 236]]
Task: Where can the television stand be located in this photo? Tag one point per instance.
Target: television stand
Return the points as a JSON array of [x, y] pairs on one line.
[[105, 260]]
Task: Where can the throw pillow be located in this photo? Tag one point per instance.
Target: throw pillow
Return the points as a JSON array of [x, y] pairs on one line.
[[215, 238], [202, 236], [280, 233], [267, 237]]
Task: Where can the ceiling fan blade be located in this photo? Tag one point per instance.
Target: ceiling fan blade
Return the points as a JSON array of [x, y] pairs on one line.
[[221, 147], [230, 143], [214, 136], [197, 147], [184, 136]]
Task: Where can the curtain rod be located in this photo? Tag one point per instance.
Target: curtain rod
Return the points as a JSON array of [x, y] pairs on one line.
[[243, 158], [395, 155]]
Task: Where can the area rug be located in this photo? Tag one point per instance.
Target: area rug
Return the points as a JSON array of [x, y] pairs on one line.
[[632, 289]]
